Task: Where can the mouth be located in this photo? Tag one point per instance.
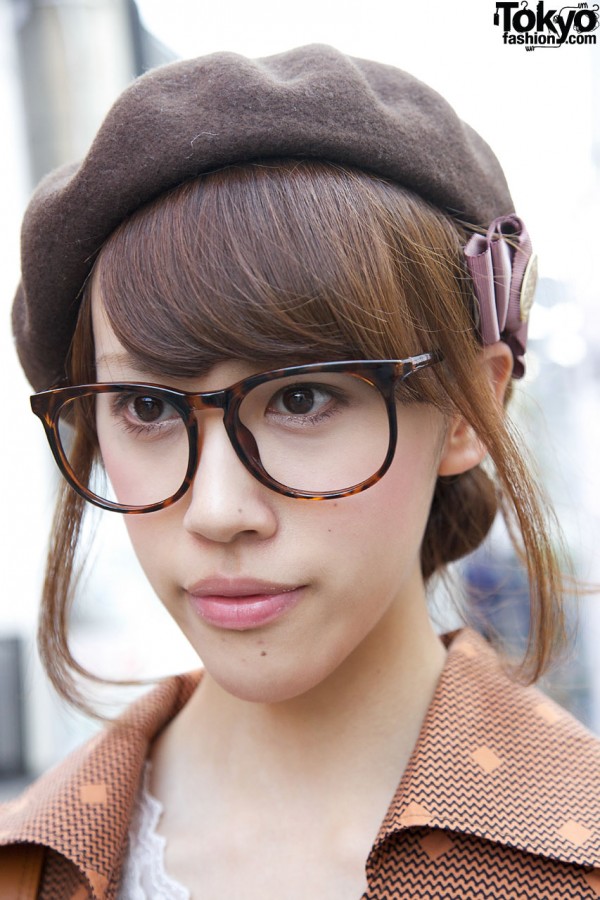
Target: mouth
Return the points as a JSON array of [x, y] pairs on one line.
[[242, 604]]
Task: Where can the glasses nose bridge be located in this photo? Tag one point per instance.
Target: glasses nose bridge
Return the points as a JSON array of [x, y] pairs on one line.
[[225, 400], [206, 400]]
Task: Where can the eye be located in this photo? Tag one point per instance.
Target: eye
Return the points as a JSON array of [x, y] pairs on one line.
[[142, 413], [302, 400], [147, 409]]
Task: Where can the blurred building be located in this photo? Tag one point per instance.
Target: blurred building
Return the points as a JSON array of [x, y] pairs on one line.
[[75, 57], [61, 65]]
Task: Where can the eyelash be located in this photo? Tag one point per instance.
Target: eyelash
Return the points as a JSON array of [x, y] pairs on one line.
[[119, 404], [309, 420]]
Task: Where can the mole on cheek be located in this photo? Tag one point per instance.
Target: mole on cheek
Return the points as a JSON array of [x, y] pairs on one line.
[[263, 652]]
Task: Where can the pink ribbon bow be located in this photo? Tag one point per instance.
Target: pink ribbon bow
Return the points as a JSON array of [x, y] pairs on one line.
[[504, 274]]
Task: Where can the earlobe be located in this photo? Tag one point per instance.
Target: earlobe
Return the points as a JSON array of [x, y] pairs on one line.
[[463, 449]]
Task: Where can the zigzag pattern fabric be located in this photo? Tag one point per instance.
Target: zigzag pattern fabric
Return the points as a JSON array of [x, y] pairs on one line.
[[501, 797]]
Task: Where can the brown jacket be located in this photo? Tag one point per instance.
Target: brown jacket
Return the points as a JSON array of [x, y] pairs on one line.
[[501, 798]]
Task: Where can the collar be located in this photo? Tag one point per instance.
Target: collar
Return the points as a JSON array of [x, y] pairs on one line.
[[502, 762], [493, 760], [82, 807]]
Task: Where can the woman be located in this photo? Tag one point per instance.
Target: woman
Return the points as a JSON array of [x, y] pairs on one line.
[[286, 298]]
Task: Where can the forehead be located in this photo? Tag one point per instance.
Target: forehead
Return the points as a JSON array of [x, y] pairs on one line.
[[107, 345]]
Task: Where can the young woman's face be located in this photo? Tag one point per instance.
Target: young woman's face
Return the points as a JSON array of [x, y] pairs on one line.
[[275, 593]]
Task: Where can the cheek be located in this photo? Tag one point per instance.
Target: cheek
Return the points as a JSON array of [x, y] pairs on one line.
[[142, 475], [403, 497], [376, 536], [150, 535], [117, 473], [395, 512]]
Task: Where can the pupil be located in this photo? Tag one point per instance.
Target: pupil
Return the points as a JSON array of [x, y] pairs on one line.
[[147, 408], [299, 400]]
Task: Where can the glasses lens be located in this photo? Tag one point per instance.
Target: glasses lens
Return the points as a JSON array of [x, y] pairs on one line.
[[142, 440], [320, 432]]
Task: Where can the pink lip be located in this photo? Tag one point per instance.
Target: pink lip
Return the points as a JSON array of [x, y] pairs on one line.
[[244, 603]]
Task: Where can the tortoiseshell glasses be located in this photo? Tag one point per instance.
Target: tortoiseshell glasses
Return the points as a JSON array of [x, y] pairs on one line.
[[318, 431]]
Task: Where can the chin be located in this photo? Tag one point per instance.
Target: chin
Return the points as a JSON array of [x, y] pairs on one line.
[[258, 680]]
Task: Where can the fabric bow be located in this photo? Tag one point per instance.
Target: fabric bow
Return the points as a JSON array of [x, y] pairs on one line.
[[504, 273]]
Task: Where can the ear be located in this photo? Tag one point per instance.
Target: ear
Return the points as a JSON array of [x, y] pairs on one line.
[[463, 449]]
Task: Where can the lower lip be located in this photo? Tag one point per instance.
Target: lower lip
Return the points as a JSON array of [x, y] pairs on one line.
[[242, 613]]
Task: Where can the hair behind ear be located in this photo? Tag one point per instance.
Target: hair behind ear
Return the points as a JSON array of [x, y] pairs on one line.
[[462, 512]]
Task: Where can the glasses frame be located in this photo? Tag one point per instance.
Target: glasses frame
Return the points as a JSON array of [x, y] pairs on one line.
[[385, 375]]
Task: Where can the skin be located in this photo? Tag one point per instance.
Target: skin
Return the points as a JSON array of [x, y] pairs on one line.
[[294, 743]]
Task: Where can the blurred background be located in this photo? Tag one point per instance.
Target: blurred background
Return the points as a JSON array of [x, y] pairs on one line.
[[62, 62]]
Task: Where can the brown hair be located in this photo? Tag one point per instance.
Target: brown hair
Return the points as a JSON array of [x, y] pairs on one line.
[[298, 261]]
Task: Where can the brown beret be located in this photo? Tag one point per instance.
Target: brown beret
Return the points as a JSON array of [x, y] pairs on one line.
[[196, 115]]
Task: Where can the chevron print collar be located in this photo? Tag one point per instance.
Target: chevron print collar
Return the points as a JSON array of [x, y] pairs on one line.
[[501, 762], [82, 808]]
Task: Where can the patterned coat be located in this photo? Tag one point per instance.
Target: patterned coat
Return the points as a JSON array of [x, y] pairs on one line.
[[501, 797]]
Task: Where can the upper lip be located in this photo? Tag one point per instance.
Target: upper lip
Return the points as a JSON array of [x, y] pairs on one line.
[[237, 587]]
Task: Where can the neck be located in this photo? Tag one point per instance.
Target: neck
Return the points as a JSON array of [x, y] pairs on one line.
[[361, 723]]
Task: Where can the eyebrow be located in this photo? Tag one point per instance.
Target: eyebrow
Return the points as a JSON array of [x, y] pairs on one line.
[[126, 361]]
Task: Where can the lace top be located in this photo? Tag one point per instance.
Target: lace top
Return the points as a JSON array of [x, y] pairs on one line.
[[144, 875]]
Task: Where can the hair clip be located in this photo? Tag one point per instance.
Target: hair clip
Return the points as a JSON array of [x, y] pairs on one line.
[[504, 273]]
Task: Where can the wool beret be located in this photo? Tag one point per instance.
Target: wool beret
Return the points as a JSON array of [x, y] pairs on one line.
[[192, 116]]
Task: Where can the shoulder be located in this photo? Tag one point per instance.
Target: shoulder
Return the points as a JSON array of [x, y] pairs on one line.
[[80, 810], [502, 782]]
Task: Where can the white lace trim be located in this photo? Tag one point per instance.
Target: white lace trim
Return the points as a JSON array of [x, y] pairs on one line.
[[144, 875]]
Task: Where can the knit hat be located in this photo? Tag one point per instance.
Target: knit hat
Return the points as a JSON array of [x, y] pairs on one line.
[[193, 116]]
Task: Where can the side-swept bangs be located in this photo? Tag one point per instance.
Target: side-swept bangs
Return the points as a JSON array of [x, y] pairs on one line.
[[283, 261]]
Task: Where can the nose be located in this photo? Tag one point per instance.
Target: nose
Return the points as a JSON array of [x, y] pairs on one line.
[[225, 501]]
